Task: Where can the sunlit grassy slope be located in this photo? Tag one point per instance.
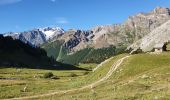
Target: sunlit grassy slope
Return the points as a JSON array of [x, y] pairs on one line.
[[33, 80], [37, 85], [141, 77]]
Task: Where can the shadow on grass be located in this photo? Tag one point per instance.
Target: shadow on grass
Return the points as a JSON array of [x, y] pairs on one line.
[[57, 66]]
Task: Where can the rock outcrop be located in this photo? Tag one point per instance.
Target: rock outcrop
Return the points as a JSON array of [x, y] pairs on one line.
[[159, 35]]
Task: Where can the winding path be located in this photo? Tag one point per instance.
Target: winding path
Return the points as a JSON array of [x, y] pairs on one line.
[[112, 69], [101, 64]]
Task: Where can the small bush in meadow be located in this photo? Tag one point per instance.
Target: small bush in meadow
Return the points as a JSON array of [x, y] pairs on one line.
[[85, 73], [73, 75], [48, 75]]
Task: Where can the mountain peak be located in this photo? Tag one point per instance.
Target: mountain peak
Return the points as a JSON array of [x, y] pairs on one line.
[[50, 32], [51, 28], [37, 36], [161, 10]]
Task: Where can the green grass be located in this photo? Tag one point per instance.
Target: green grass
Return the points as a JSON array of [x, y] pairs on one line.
[[98, 74], [168, 47], [33, 79], [140, 77], [88, 66], [37, 85]]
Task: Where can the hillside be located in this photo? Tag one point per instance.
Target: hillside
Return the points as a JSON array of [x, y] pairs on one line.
[[14, 53], [140, 76], [160, 35], [87, 55]]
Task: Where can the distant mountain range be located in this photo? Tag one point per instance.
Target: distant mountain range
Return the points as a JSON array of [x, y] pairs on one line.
[[37, 37], [64, 45]]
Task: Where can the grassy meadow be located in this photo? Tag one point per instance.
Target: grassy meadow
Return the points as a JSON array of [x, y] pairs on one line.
[[140, 77], [13, 81]]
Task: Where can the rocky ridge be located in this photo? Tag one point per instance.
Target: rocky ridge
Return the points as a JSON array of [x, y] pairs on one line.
[[133, 29], [160, 35], [37, 37]]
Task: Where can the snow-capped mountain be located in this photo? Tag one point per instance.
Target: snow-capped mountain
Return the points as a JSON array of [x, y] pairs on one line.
[[52, 32], [36, 37]]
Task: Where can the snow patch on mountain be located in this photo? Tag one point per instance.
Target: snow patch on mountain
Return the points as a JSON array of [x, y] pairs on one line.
[[38, 36], [52, 32]]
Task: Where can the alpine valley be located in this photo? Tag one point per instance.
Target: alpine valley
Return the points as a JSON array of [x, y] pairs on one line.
[[127, 61]]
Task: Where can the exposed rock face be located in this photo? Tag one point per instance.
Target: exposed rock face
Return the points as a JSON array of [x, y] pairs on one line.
[[159, 35], [160, 10], [143, 23], [34, 37], [105, 36], [37, 37], [75, 40], [134, 28]]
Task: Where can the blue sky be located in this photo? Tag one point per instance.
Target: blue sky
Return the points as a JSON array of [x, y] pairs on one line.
[[22, 15]]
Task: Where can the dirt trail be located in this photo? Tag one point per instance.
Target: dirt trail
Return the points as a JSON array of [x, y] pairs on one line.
[[112, 69], [101, 64]]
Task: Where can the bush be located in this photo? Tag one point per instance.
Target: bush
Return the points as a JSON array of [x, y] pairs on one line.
[[85, 73], [73, 75], [48, 75]]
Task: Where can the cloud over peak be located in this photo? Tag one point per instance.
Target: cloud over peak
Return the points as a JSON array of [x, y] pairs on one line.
[[61, 20], [53, 0], [4, 2]]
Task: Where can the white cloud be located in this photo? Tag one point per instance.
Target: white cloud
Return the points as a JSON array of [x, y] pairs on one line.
[[53, 0], [4, 2], [17, 26], [61, 20]]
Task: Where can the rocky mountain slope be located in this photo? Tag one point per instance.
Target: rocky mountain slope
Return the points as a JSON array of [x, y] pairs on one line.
[[134, 28], [143, 23], [36, 37], [159, 35]]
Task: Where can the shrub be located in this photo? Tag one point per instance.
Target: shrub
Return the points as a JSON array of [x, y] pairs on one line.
[[73, 75], [85, 73], [48, 75]]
